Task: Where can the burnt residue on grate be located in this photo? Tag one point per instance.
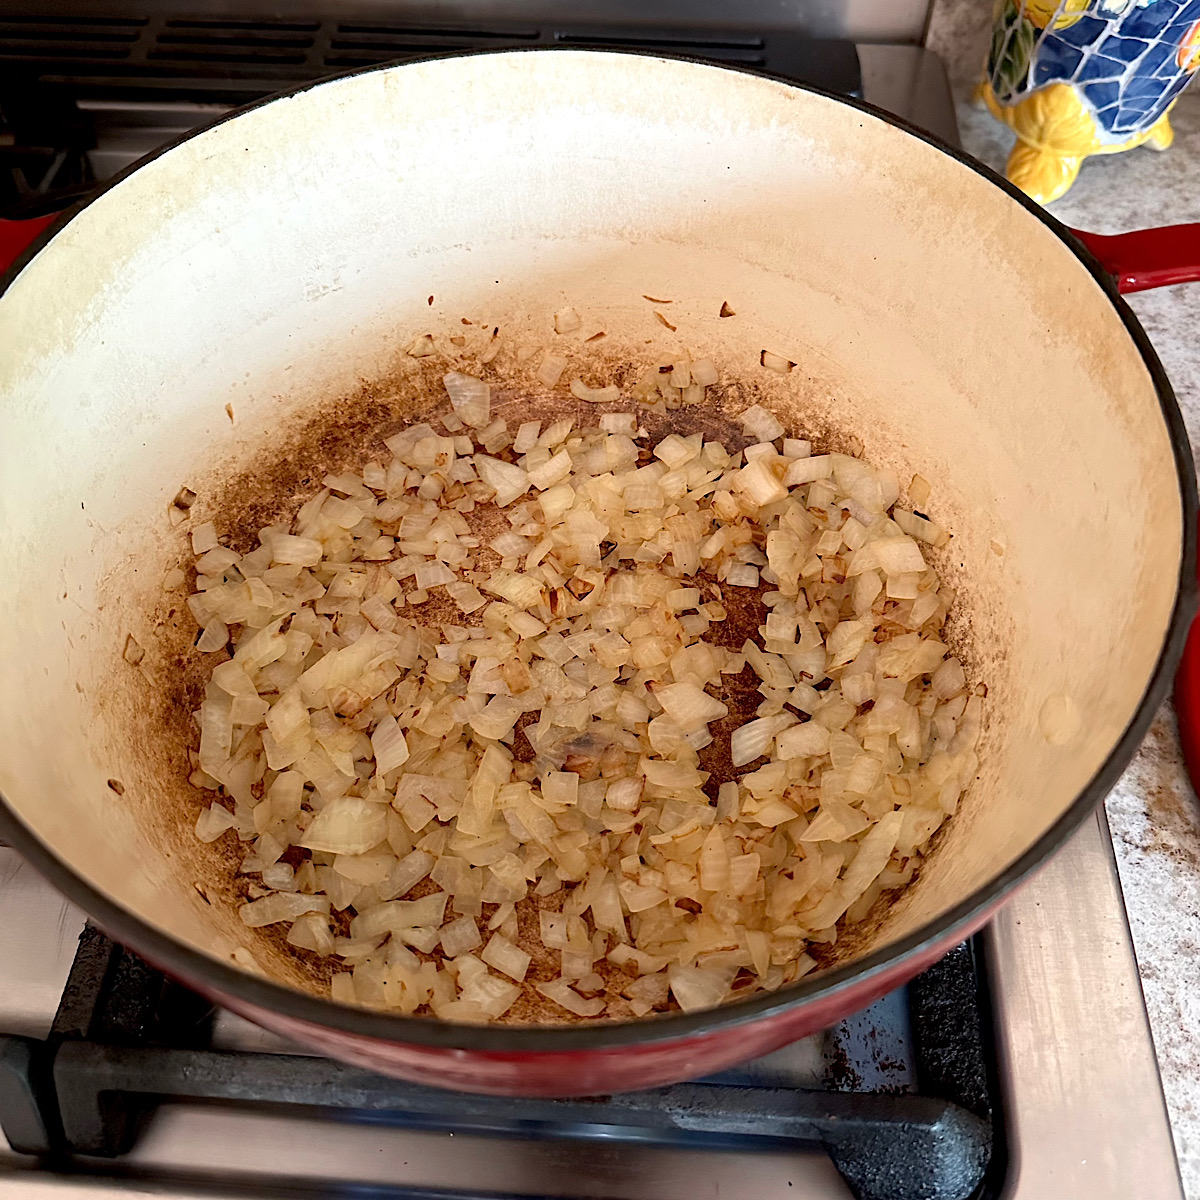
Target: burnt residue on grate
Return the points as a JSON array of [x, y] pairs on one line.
[[948, 1031]]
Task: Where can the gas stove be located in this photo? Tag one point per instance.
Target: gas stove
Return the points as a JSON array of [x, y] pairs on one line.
[[1021, 1066]]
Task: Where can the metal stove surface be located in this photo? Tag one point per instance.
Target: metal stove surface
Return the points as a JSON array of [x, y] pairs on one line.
[[1078, 1108]]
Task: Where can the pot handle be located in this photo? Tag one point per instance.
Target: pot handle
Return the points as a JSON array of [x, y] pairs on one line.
[[1147, 258], [15, 236]]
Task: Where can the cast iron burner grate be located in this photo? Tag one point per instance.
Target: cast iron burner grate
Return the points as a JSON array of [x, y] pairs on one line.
[[235, 60], [125, 1038], [54, 66]]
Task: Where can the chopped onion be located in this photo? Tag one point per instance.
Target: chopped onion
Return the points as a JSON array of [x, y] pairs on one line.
[[920, 528], [493, 996], [400, 915], [714, 861], [874, 851], [347, 826], [600, 395], [760, 424], [215, 636], [365, 869], [775, 362], [561, 992], [760, 483], [280, 877], [505, 479], [893, 555], [806, 470], [296, 551], [752, 740], [460, 936], [836, 822], [470, 398], [311, 932], [434, 574], [689, 706], [280, 906], [504, 956], [214, 821], [389, 746], [742, 575], [553, 470], [695, 988], [948, 680], [369, 756], [567, 321], [551, 370], [527, 436], [406, 874], [803, 741], [204, 538]]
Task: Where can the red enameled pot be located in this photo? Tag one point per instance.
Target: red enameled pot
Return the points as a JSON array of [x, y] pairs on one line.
[[280, 262]]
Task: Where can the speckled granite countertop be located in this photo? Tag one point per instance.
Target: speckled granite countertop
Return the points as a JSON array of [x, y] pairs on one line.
[[1154, 814]]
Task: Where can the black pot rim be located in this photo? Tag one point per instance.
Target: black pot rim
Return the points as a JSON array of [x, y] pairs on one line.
[[249, 990]]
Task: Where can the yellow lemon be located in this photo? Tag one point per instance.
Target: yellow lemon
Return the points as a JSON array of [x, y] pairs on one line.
[[1059, 14]]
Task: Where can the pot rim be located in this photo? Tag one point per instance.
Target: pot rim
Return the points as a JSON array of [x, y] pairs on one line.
[[257, 992]]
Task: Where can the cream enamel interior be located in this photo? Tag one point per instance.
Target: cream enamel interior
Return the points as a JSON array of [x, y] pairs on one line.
[[278, 259]]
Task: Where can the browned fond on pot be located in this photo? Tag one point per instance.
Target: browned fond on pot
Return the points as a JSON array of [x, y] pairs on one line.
[[262, 485]]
